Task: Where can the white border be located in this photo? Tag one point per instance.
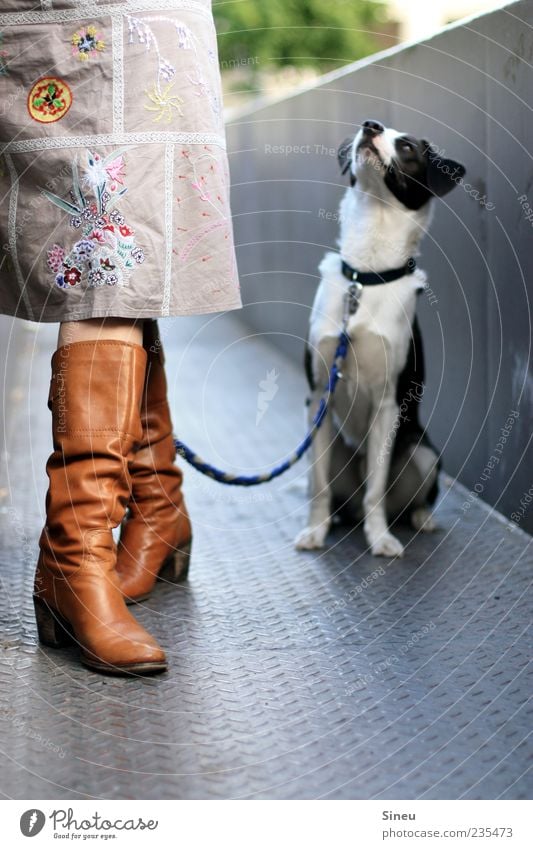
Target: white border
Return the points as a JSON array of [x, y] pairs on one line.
[[169, 194], [117, 42], [92, 10], [59, 142]]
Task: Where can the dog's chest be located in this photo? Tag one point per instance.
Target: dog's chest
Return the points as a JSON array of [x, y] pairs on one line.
[[380, 332]]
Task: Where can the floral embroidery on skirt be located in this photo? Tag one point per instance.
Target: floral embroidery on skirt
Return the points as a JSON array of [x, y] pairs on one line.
[[107, 251], [114, 174], [87, 42]]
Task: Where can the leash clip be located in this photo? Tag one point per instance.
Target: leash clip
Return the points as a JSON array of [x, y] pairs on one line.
[[353, 296]]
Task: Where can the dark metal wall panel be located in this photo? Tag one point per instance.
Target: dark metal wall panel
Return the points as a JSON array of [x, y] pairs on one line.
[[440, 92], [468, 90], [510, 242]]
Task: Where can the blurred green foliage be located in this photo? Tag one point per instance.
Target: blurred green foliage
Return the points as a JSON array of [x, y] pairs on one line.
[[315, 33]]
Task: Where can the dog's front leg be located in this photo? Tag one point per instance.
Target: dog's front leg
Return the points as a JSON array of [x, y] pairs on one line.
[[319, 521], [380, 444]]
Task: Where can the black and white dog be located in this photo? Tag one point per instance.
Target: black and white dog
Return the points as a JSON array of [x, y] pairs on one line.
[[371, 458]]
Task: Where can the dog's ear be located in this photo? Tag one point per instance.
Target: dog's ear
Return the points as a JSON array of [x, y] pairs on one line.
[[344, 155], [443, 174]]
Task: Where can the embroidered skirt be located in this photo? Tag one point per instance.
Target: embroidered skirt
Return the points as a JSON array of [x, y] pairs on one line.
[[114, 182]]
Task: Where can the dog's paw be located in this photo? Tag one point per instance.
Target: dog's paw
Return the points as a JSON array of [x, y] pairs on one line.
[[387, 546], [422, 520], [312, 537]]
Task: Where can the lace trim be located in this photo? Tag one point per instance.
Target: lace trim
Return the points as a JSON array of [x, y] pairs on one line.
[[12, 232], [117, 38], [56, 142], [91, 10], [169, 191]]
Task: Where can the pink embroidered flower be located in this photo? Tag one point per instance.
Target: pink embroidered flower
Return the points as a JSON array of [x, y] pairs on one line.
[[96, 236], [56, 255], [125, 231], [115, 170], [198, 187]]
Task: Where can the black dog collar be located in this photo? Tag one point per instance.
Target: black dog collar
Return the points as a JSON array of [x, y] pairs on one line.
[[373, 278]]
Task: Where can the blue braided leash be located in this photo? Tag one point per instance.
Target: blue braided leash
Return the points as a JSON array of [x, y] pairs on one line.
[[353, 295]]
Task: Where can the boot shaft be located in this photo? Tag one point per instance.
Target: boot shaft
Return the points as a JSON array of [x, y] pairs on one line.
[[155, 413], [95, 396], [96, 390]]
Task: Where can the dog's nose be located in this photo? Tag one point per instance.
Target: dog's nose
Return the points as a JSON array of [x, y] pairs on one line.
[[373, 128]]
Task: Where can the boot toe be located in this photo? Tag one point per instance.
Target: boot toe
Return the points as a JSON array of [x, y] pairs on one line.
[[124, 645], [128, 656]]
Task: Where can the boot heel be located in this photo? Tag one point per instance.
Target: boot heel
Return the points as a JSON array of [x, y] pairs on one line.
[[53, 630], [176, 567]]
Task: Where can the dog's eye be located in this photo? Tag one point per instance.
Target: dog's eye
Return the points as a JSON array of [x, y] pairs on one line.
[[406, 146]]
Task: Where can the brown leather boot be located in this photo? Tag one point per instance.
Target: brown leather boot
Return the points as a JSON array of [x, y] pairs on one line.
[[95, 396], [155, 539]]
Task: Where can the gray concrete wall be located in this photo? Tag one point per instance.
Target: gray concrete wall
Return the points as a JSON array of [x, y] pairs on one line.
[[469, 90]]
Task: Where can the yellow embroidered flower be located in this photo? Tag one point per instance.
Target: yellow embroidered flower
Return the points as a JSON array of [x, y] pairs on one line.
[[164, 102], [86, 43]]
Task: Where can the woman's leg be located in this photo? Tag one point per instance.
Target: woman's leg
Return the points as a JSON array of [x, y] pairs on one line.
[[122, 329]]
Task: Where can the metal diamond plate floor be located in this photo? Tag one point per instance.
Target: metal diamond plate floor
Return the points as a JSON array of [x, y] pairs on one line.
[[329, 675]]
